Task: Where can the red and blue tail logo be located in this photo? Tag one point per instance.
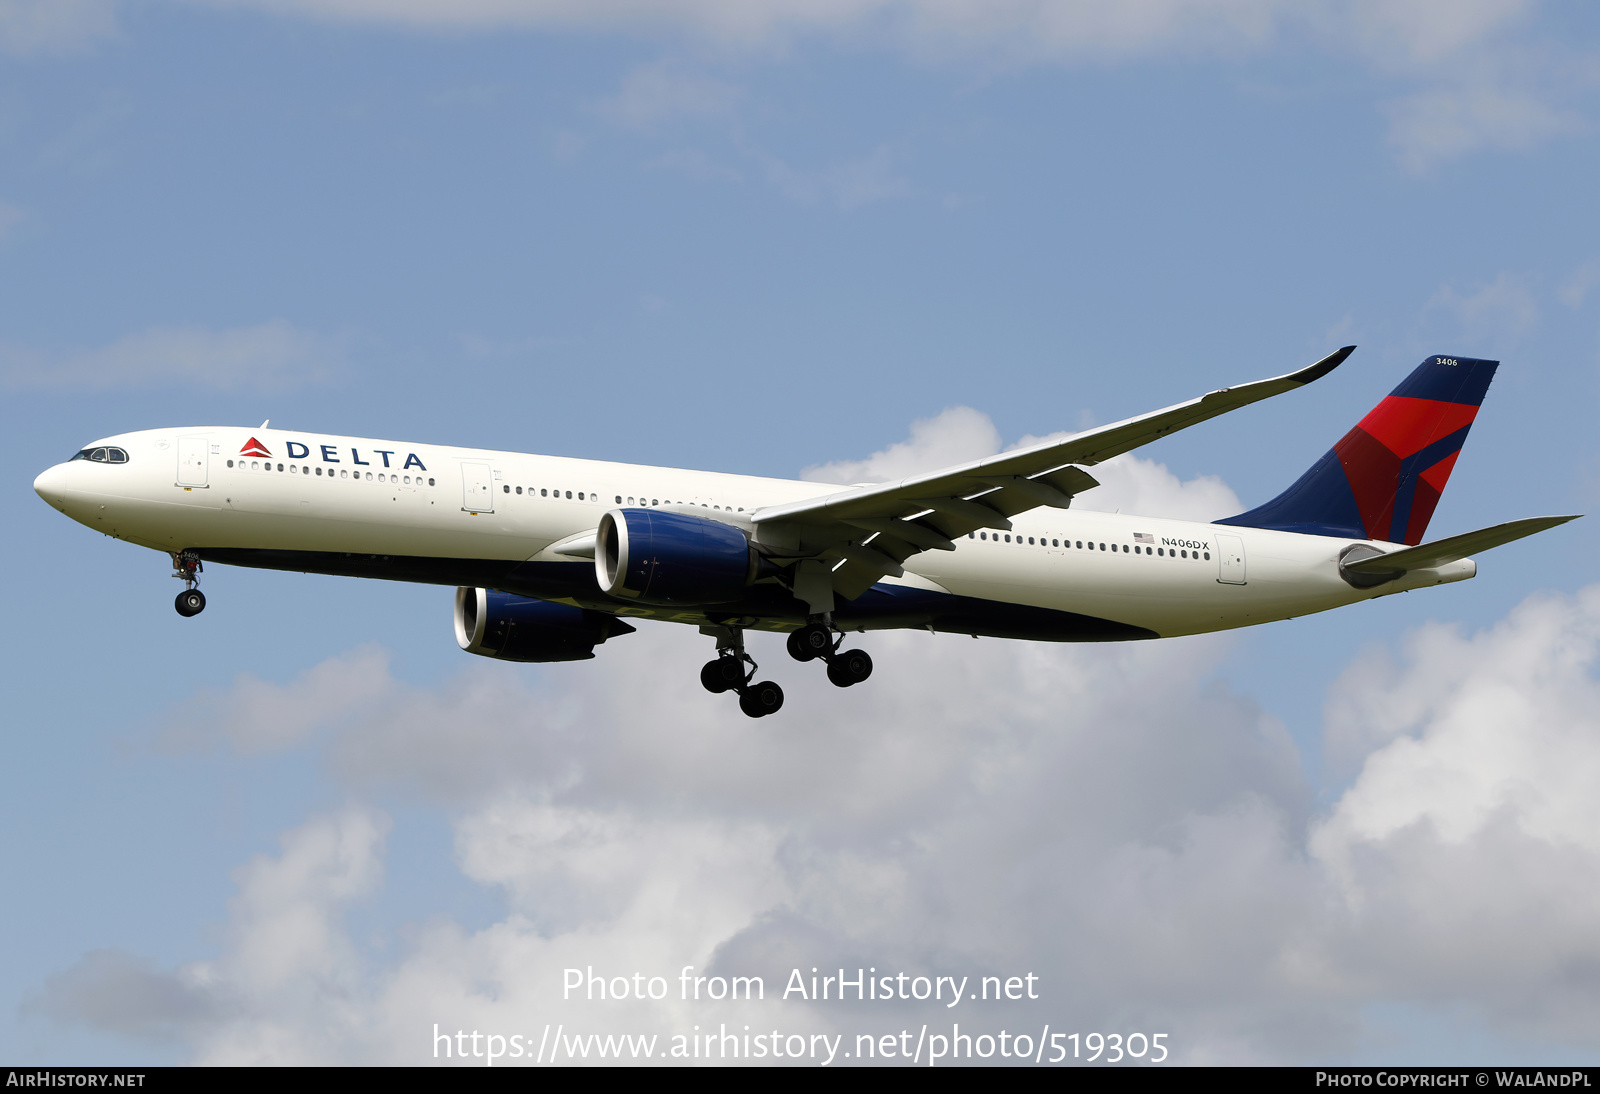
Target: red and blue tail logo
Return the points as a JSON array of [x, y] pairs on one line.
[[1383, 480]]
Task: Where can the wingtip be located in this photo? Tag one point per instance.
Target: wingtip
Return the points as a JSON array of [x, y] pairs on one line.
[[1324, 366]]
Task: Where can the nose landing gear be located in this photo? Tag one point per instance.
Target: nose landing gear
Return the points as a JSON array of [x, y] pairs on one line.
[[816, 639], [728, 672], [186, 568]]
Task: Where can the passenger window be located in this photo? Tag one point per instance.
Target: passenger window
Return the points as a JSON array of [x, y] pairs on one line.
[[230, 462], [507, 489], [569, 495], [983, 535], [430, 481]]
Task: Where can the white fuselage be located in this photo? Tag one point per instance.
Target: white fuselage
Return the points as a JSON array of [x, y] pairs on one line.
[[327, 495]]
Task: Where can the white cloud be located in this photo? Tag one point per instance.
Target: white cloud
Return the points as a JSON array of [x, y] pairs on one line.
[[1481, 85], [1466, 853], [1411, 32], [1025, 27], [1450, 120], [256, 716], [1576, 288], [1128, 483], [1491, 316], [662, 92], [54, 26], [1400, 31], [849, 185], [953, 436], [271, 356], [286, 957], [1105, 817]]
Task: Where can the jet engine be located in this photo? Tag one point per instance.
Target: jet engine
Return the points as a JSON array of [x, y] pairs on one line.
[[518, 628], [657, 557]]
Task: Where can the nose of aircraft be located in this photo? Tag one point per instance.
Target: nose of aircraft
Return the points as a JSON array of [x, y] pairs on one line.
[[51, 485]]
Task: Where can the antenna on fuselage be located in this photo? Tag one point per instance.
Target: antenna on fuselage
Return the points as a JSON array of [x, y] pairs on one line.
[[263, 425]]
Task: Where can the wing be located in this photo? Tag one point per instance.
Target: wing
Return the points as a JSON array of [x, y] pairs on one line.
[[869, 531], [1443, 551]]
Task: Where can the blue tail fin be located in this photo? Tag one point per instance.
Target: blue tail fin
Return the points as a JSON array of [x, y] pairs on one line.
[[1383, 480]]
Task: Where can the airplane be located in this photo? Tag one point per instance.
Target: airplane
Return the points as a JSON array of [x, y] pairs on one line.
[[551, 556]]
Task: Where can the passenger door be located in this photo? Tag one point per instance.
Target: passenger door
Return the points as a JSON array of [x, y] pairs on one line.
[[1230, 560], [193, 461], [477, 491]]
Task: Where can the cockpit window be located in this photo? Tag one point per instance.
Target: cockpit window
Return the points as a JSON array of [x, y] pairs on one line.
[[102, 455]]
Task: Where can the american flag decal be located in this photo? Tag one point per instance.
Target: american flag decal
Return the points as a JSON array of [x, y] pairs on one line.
[[1143, 537]]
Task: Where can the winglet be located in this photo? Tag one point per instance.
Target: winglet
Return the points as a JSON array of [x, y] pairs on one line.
[[1322, 367]]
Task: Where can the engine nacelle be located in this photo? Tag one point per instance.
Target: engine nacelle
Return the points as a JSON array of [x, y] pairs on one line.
[[517, 628], [656, 557]]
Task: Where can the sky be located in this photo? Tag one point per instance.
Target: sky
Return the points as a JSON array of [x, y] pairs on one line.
[[844, 241]]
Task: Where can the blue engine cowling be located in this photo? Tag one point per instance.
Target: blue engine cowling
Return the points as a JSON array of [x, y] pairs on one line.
[[656, 557], [517, 628]]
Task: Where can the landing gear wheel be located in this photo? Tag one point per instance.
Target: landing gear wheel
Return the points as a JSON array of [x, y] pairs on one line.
[[190, 602], [760, 700], [723, 674], [849, 667], [810, 642]]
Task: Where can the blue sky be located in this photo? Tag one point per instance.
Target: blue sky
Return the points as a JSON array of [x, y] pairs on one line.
[[673, 233]]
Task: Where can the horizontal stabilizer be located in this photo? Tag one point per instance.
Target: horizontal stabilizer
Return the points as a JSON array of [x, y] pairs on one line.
[[1443, 551]]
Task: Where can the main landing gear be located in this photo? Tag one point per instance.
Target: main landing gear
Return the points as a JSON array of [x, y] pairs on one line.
[[816, 639], [729, 673], [186, 568]]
